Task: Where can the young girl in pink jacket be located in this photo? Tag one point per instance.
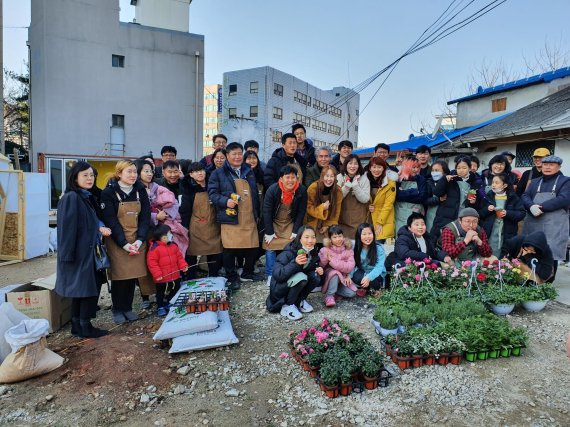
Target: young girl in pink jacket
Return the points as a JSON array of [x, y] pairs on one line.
[[337, 259]]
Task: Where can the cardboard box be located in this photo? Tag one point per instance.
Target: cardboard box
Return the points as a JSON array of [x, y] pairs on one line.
[[38, 300]]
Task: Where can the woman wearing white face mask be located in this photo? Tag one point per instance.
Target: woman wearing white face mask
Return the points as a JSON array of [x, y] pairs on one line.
[[500, 212], [439, 170]]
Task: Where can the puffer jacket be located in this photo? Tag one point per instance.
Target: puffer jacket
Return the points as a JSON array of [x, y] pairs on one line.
[[277, 161], [407, 246], [272, 202], [164, 261], [337, 261], [384, 213]]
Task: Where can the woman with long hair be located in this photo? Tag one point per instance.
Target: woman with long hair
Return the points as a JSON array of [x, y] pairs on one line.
[[219, 157], [324, 198], [78, 231], [355, 188], [126, 211], [382, 197]]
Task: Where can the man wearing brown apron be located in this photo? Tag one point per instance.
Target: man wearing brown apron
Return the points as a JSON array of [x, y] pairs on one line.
[[233, 191], [547, 200], [284, 210]]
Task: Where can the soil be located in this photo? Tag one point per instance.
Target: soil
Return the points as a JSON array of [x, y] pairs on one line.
[[102, 381]]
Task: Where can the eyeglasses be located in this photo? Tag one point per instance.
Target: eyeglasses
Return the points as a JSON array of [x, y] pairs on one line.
[[470, 221]]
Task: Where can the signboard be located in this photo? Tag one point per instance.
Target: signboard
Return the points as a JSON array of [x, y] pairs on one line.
[[219, 100]]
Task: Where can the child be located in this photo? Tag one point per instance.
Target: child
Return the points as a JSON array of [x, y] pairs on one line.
[[369, 257], [165, 261], [501, 210], [337, 258], [295, 274]]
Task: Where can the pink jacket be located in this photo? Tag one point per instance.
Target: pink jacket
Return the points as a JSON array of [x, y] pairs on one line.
[[336, 261], [166, 201]]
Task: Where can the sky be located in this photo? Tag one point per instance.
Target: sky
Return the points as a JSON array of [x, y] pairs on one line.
[[340, 43]]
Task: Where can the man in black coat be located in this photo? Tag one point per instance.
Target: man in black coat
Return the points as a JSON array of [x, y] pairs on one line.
[[525, 248], [535, 172], [344, 150], [171, 177], [285, 155], [305, 146], [423, 154]]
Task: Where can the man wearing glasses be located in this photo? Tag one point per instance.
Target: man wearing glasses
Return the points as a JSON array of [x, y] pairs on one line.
[[168, 152], [463, 239]]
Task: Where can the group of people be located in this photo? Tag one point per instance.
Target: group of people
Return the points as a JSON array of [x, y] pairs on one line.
[[319, 220]]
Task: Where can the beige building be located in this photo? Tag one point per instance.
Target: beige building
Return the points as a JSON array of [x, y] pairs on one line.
[[212, 115]]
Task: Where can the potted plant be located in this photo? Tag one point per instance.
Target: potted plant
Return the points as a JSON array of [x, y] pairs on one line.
[[346, 367], [518, 339], [330, 378], [388, 323], [371, 370], [406, 319], [224, 303], [534, 298], [502, 299]]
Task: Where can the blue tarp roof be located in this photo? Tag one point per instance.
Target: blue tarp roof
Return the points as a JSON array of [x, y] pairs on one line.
[[413, 143], [539, 78]]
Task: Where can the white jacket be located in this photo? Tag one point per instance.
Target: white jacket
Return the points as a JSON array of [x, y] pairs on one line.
[[360, 187]]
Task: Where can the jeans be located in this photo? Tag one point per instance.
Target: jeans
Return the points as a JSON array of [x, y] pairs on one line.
[[270, 257], [335, 287]]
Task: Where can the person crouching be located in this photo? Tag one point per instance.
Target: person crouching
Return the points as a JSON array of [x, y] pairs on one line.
[[165, 262]]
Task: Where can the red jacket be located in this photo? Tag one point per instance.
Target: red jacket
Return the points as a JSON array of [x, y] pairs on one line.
[[165, 261]]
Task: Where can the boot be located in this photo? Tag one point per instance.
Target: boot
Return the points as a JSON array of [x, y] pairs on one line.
[[75, 327], [89, 331]]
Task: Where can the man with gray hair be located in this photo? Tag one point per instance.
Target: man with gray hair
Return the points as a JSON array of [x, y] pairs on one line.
[[323, 155]]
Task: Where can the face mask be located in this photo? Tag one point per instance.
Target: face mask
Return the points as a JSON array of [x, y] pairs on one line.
[[437, 175], [498, 190], [169, 237]]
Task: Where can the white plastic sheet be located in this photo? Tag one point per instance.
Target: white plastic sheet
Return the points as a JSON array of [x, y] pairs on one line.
[[26, 332]]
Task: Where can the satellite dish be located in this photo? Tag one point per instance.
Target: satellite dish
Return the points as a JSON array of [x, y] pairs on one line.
[[437, 127]]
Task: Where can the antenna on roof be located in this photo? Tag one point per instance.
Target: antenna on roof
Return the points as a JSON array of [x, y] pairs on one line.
[[437, 127]]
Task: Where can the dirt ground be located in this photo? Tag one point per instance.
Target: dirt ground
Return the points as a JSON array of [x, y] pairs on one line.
[[127, 379]]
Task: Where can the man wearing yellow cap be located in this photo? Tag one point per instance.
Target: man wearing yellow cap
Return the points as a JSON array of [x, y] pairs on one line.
[[535, 172]]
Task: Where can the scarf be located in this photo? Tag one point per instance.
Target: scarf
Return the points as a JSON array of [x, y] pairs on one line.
[[287, 196]]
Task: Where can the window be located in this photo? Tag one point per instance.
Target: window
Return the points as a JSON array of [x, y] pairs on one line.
[[278, 113], [335, 130], [302, 98], [253, 111], [232, 113], [356, 128], [118, 61], [278, 89], [253, 87], [233, 90], [118, 121], [334, 111], [524, 151], [318, 143], [498, 105], [318, 125], [319, 105], [276, 136], [304, 120]]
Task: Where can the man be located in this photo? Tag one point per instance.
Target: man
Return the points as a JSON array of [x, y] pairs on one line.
[[218, 141], [463, 239], [547, 200], [535, 172], [423, 154], [475, 163], [168, 152], [233, 191], [344, 150], [285, 155], [527, 248], [304, 146], [383, 151], [252, 145], [314, 172], [171, 176]]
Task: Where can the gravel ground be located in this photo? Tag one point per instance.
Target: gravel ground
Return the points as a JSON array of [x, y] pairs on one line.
[[249, 384]]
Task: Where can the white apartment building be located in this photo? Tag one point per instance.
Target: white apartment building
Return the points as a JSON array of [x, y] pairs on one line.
[[263, 103]]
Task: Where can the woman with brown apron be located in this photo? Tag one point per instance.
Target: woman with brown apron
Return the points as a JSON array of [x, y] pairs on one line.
[[199, 216], [324, 198], [126, 211], [251, 158], [355, 188], [284, 210]]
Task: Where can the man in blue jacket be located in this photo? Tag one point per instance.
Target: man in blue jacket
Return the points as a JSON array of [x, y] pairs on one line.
[[233, 191]]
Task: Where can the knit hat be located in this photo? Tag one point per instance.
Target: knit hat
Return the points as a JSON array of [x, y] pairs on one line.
[[468, 212], [552, 159], [541, 152]]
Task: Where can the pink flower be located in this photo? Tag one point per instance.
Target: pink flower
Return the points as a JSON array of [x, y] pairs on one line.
[[434, 266], [418, 277], [304, 352], [466, 263], [325, 322], [405, 285], [312, 330], [465, 284], [426, 274], [443, 273], [503, 271], [408, 261], [283, 355], [516, 262]]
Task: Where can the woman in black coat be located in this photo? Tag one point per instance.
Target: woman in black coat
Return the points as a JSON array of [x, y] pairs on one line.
[[78, 231], [295, 274]]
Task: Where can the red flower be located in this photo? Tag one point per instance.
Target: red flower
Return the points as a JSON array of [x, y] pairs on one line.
[[481, 277], [486, 262]]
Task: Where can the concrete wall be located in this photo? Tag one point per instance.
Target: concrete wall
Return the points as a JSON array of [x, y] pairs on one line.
[[479, 110], [169, 14], [262, 127], [75, 90]]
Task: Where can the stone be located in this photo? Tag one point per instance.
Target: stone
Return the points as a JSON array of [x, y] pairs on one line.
[[145, 398], [4, 389], [151, 389], [232, 392], [183, 370], [179, 389], [49, 397]]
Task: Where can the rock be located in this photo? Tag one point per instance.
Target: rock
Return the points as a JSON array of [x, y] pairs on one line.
[[4, 389], [161, 422], [49, 397], [145, 398], [232, 392], [360, 420], [151, 389], [184, 370], [205, 422], [179, 389], [123, 418]]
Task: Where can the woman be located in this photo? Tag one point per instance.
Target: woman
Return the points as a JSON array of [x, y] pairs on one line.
[[383, 197], [458, 190], [498, 164], [199, 217], [219, 157], [355, 188], [324, 198], [251, 158], [439, 170], [78, 232], [411, 191], [126, 211]]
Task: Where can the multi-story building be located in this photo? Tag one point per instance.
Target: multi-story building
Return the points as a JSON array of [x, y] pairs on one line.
[[212, 115], [263, 103], [101, 87]]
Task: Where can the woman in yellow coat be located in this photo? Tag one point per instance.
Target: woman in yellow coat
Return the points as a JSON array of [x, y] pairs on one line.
[[382, 197], [324, 199]]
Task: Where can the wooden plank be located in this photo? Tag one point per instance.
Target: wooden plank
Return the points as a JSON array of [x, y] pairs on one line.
[[14, 261]]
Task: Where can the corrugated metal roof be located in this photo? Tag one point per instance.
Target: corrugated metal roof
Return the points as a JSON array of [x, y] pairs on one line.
[[539, 78], [413, 143]]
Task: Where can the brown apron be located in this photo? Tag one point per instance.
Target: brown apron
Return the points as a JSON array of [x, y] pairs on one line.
[[123, 265], [242, 235], [204, 231], [282, 227], [352, 214], [299, 171], [320, 222]]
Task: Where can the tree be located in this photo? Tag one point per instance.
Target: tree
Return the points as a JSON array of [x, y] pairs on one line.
[[16, 109]]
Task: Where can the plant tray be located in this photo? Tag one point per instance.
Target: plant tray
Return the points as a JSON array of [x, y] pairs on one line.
[[418, 361], [478, 356], [189, 302], [357, 386]]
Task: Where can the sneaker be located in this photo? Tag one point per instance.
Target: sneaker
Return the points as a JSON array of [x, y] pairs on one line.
[[161, 312], [119, 318], [131, 316], [305, 307], [268, 283], [361, 293], [251, 277], [291, 312], [330, 301], [145, 305], [234, 286]]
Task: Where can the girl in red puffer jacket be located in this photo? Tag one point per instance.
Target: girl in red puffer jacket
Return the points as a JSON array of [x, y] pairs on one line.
[[165, 262]]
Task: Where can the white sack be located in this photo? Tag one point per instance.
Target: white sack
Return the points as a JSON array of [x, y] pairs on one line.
[[175, 325], [221, 336]]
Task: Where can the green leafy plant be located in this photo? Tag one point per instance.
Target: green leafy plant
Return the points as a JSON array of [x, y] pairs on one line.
[[329, 373], [507, 294], [373, 364], [543, 292], [386, 318]]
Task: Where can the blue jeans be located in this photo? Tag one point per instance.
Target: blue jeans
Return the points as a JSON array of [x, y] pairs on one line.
[[270, 257]]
